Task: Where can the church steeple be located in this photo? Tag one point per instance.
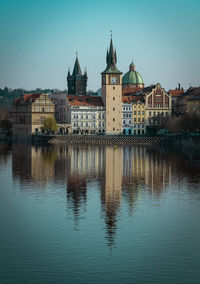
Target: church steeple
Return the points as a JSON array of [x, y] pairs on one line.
[[111, 59], [77, 68], [77, 82]]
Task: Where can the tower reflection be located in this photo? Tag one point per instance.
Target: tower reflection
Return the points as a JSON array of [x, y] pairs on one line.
[[122, 173]]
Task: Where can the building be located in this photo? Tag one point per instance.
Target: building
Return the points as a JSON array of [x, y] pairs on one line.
[[86, 114], [157, 104], [30, 112], [185, 103], [193, 103], [127, 114], [112, 93], [131, 81], [176, 94], [61, 112], [77, 82], [139, 121]]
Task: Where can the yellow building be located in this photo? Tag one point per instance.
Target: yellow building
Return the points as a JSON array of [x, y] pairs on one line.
[[139, 126], [30, 112]]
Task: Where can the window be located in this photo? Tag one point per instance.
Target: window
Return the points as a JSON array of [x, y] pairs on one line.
[[113, 129], [134, 119], [135, 112], [114, 109], [139, 119], [124, 121], [99, 124], [99, 116], [129, 114], [129, 121], [143, 119], [139, 112], [113, 119], [143, 112], [150, 113], [113, 88], [113, 98]]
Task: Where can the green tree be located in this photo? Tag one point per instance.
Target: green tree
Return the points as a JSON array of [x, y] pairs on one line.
[[50, 125]]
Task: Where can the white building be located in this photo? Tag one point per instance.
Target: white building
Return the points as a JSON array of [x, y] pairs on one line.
[[86, 114], [127, 116]]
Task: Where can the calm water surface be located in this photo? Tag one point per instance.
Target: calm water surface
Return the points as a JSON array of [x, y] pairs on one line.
[[88, 214]]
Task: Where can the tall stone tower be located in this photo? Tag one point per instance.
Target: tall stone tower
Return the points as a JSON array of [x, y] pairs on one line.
[[111, 91], [77, 82]]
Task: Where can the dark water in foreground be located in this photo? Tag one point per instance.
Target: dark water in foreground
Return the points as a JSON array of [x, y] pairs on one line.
[[88, 214]]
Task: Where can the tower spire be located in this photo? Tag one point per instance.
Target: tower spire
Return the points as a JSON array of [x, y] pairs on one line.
[[77, 68]]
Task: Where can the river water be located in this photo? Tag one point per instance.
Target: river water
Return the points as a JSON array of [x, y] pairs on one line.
[[96, 214]]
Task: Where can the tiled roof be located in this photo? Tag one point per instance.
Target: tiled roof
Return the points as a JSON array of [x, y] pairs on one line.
[[28, 97], [126, 100], [132, 98], [84, 100], [192, 91], [176, 93]]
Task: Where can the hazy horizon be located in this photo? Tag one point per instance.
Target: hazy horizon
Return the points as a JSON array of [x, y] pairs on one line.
[[39, 40]]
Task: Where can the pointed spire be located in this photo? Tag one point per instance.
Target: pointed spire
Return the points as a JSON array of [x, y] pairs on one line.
[[68, 74], [77, 68], [111, 59], [85, 71], [111, 51]]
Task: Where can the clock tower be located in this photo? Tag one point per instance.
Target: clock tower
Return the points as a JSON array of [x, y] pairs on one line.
[[111, 92]]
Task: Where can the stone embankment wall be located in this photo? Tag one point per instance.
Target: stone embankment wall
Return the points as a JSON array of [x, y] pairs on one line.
[[109, 140]]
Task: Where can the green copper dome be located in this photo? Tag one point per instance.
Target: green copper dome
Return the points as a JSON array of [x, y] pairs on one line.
[[132, 76]]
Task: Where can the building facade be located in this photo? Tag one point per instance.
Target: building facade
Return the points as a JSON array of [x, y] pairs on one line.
[[112, 93], [30, 112], [139, 120], [157, 104], [127, 116], [86, 114]]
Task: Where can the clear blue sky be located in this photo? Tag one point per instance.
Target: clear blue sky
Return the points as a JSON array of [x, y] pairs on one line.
[[39, 40]]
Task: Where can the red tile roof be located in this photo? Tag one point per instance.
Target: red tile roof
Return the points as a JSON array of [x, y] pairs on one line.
[[176, 93], [27, 97], [85, 100]]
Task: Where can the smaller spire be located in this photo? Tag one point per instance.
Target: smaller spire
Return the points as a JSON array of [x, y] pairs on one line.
[[68, 74], [85, 71], [77, 68], [132, 66]]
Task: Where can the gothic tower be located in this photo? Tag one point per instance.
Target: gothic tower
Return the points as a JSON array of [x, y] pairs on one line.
[[77, 82], [112, 93]]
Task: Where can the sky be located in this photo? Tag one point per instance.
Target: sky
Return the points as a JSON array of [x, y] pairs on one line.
[[39, 40]]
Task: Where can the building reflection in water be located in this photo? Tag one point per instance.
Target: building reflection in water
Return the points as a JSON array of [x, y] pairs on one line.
[[123, 174]]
